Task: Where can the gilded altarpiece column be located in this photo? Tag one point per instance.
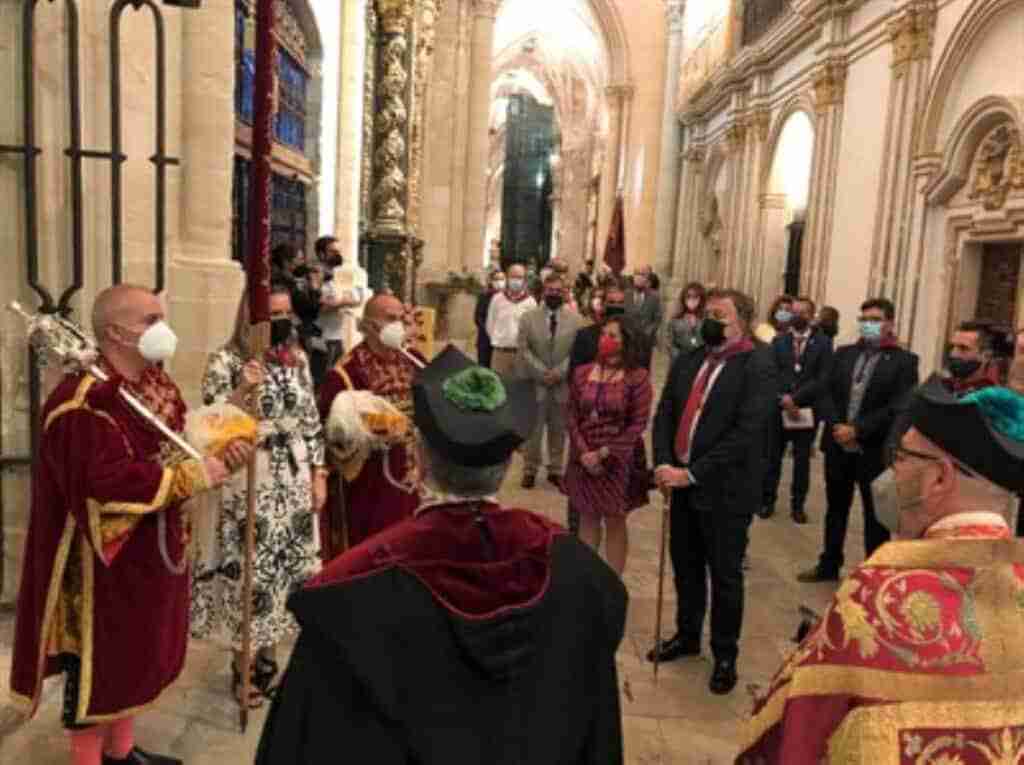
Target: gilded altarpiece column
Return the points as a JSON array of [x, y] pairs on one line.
[[400, 36]]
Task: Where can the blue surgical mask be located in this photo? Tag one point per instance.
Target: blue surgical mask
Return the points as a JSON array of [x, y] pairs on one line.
[[783, 316], [871, 330]]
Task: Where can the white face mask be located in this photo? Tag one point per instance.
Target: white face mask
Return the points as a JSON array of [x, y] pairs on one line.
[[393, 335], [499, 284], [158, 343], [893, 497]]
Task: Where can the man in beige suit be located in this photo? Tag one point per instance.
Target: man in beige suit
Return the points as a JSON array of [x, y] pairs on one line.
[[546, 335]]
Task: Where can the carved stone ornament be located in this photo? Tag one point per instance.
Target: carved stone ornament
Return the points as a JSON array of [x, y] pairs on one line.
[[485, 8], [425, 37], [912, 34], [696, 154], [711, 226], [289, 31], [998, 167], [735, 137], [829, 84], [394, 15], [674, 14], [761, 121]]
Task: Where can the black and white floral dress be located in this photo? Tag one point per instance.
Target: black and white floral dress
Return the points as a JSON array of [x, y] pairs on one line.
[[287, 535]]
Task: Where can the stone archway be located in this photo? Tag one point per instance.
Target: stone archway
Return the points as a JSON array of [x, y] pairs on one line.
[[969, 170], [783, 200]]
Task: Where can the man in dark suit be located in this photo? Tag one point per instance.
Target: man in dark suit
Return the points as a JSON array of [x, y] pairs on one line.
[[643, 307], [584, 348], [709, 437], [803, 357], [484, 350], [867, 385]]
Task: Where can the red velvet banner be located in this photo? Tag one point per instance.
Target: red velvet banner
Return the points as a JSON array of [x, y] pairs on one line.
[[615, 249], [258, 261]]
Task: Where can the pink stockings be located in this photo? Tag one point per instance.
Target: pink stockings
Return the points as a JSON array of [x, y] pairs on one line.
[[118, 738]]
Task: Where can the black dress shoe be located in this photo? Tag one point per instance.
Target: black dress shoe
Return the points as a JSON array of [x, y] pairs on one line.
[[139, 757], [723, 679], [529, 481], [675, 648], [766, 511], [799, 516], [817, 574]]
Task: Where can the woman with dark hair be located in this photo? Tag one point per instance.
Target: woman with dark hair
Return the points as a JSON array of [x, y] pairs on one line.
[[609, 408], [779, 318], [684, 328]]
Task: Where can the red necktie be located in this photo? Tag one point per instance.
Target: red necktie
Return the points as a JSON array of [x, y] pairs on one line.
[[693, 405], [696, 398]]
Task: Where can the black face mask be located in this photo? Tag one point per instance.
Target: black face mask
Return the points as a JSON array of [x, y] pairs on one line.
[[281, 331], [962, 369], [554, 302], [614, 310], [800, 323], [300, 271], [335, 261], [828, 329], [712, 332]]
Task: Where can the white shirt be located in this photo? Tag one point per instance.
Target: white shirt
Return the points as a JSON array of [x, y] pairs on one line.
[[700, 411], [503, 320], [332, 320]]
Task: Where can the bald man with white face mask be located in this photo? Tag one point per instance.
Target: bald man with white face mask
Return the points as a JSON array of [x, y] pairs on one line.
[[105, 595]]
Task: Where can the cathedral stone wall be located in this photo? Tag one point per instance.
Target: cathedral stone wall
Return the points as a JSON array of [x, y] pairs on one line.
[[916, 160], [203, 284]]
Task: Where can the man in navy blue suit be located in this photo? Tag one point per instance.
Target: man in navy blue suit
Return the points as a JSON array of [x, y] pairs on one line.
[[802, 357]]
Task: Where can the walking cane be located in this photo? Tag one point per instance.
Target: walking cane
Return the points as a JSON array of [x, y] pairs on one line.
[[666, 504]]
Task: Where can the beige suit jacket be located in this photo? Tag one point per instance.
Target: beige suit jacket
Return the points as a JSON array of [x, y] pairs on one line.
[[539, 352]]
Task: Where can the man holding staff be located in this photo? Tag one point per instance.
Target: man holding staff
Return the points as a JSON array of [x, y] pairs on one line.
[[107, 537]]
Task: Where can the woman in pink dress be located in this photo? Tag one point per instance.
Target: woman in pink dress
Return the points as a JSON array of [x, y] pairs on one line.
[[609, 408]]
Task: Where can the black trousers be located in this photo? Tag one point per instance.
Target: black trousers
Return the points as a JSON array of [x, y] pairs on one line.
[[706, 536], [322, 362], [844, 472], [484, 350], [803, 442]]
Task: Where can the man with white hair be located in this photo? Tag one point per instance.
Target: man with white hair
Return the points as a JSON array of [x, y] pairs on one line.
[[919, 655], [469, 633]]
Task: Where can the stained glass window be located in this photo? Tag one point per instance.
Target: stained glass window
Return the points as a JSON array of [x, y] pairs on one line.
[[245, 68], [290, 121], [287, 210]]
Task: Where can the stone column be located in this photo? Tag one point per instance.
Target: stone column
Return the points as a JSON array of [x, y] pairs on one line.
[[829, 95], [350, 125], [612, 176], [478, 143], [690, 244], [758, 122], [911, 35], [735, 144], [670, 171]]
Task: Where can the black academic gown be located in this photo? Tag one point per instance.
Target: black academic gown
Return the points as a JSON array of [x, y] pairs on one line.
[[437, 643]]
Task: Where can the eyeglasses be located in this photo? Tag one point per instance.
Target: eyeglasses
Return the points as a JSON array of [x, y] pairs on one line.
[[900, 453]]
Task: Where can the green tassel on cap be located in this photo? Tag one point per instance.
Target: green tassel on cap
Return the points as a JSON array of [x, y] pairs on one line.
[[475, 388]]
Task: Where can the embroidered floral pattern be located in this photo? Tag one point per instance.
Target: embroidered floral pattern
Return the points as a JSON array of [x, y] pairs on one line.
[[972, 746], [287, 547]]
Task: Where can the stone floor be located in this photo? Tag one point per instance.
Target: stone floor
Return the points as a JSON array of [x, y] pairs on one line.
[[672, 721]]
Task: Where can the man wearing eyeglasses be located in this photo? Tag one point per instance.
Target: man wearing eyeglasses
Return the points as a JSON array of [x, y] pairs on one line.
[[919, 653], [867, 385]]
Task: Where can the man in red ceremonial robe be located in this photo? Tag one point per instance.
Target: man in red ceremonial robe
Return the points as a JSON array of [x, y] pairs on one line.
[[105, 588], [469, 633], [371, 501], [919, 658]]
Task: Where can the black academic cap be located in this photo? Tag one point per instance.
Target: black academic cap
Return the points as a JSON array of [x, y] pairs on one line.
[[468, 413], [982, 431]]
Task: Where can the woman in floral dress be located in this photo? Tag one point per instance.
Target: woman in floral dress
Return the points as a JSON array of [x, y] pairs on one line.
[[291, 486], [609, 408]]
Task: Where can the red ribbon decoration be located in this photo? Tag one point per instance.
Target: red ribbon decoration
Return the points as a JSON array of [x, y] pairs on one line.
[[258, 262]]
